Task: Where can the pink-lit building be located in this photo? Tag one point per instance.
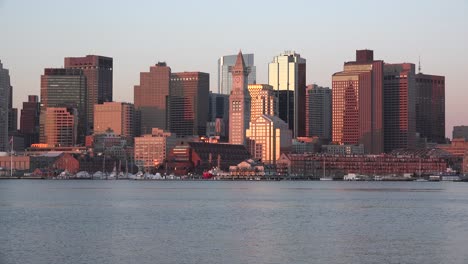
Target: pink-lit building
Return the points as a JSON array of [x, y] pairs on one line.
[[58, 126], [116, 116], [357, 103], [151, 150]]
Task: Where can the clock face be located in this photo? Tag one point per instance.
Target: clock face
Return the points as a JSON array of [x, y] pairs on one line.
[[237, 79]]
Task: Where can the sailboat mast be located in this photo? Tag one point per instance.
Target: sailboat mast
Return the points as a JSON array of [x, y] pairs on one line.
[[11, 158]]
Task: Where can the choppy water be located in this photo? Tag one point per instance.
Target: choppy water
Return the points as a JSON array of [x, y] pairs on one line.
[[232, 222]]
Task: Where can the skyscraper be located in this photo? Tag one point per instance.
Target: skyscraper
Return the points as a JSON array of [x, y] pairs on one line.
[[287, 75], [218, 116], [239, 103], [150, 98], [67, 88], [99, 75], [117, 116], [29, 120], [225, 64], [188, 103], [5, 89], [430, 107], [399, 106], [262, 100], [58, 126], [268, 137], [12, 114], [318, 112], [357, 104]]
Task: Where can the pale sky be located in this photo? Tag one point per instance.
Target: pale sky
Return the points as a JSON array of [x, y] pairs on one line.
[[192, 35]]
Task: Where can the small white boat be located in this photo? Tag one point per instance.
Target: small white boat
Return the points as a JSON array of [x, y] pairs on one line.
[[326, 179]]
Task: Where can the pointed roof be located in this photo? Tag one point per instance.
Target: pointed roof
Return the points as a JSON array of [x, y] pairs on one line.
[[240, 61]]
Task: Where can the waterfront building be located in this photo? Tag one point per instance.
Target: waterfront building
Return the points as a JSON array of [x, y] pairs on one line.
[[197, 157], [460, 132], [188, 103], [111, 145], [55, 162], [5, 89], [66, 88], [315, 165], [58, 126], [117, 116], [287, 76], [99, 80], [239, 103], [150, 98], [263, 100], [225, 65], [29, 120], [343, 149], [151, 150], [318, 112], [306, 145], [19, 163], [357, 103], [399, 102], [430, 107]]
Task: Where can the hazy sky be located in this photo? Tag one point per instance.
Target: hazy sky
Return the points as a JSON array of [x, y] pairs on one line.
[[192, 35]]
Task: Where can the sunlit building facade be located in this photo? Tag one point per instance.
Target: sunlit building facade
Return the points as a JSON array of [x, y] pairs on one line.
[[239, 103], [263, 100], [151, 149], [117, 116], [268, 136], [59, 126], [357, 103], [287, 74]]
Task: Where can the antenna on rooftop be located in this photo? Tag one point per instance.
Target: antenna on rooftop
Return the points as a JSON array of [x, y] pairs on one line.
[[419, 65]]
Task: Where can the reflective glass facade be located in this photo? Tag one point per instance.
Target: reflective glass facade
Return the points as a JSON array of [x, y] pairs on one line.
[[225, 64]]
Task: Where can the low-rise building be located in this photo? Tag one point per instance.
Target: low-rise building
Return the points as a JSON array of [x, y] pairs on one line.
[[151, 150]]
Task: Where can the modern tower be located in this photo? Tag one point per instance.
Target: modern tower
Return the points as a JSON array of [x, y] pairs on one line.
[[99, 75], [357, 103], [188, 103], [318, 112], [29, 120], [399, 103], [430, 107], [150, 98], [239, 103], [225, 64], [5, 89], [218, 116], [67, 88], [287, 75]]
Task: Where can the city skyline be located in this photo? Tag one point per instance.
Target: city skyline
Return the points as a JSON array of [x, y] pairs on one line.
[[31, 47]]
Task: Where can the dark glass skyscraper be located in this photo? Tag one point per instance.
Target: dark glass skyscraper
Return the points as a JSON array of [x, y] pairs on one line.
[[399, 106], [188, 103], [66, 88], [29, 120], [430, 107], [318, 112], [5, 89], [99, 74]]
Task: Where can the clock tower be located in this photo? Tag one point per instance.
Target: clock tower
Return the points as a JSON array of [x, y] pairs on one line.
[[239, 102]]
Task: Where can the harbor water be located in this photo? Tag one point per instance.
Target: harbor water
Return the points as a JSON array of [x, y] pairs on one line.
[[74, 222]]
